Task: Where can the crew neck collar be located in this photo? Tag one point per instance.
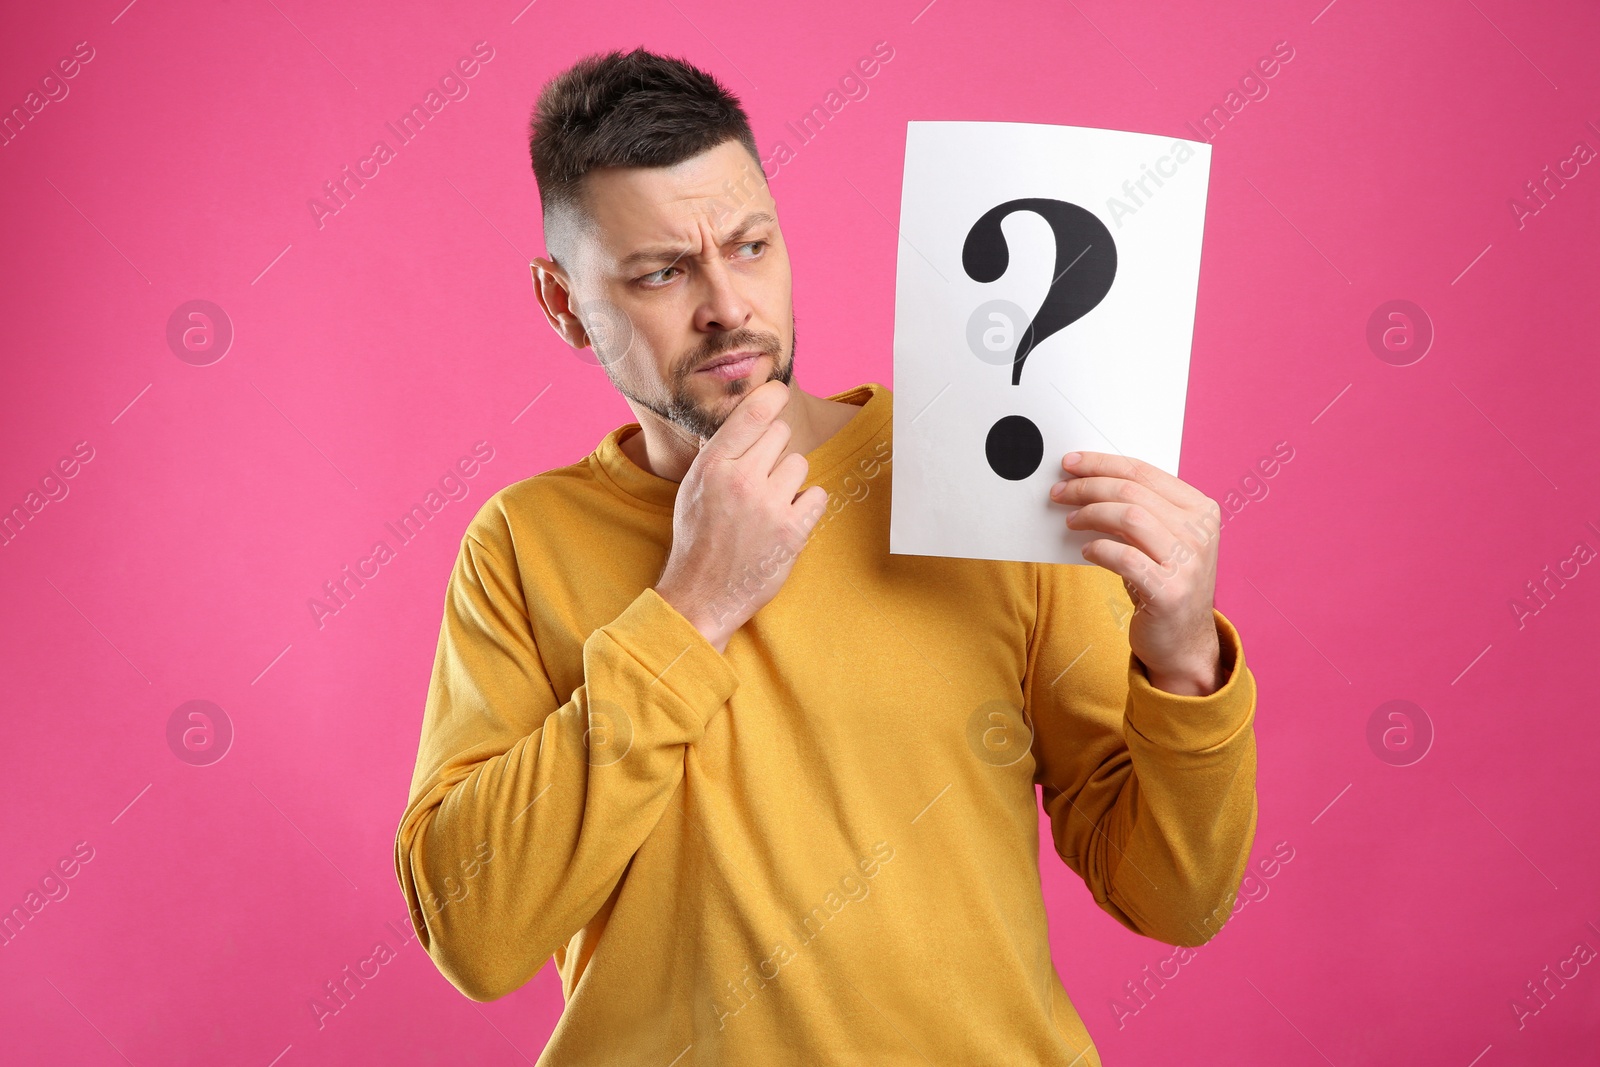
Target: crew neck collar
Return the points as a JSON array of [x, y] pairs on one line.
[[631, 480]]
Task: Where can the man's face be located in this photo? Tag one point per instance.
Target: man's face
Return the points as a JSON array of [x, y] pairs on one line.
[[682, 266]]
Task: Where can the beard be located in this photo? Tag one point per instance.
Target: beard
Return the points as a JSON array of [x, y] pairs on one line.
[[677, 404]]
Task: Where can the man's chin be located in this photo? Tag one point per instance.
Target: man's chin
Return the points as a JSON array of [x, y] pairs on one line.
[[728, 392]]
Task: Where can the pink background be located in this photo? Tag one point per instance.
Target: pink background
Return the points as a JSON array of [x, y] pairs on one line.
[[373, 352]]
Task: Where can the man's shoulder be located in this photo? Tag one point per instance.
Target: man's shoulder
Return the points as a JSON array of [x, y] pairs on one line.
[[513, 514]]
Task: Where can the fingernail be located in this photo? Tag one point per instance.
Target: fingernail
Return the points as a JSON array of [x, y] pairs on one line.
[[1055, 490], [1070, 458]]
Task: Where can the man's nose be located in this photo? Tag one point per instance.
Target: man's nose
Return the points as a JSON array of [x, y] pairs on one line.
[[723, 306]]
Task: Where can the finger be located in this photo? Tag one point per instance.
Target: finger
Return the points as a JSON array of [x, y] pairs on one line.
[[1133, 566], [1134, 525], [745, 425], [789, 475], [1095, 489], [759, 459], [1172, 488], [803, 514], [810, 507]]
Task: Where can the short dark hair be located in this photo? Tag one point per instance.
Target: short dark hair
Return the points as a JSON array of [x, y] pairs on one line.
[[635, 109]]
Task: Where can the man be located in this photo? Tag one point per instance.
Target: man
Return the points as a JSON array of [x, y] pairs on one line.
[[765, 792]]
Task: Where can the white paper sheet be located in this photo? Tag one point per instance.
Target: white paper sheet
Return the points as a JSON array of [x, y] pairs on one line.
[[1130, 210]]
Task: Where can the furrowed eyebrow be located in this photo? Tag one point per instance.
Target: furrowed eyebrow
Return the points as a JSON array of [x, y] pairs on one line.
[[672, 255]]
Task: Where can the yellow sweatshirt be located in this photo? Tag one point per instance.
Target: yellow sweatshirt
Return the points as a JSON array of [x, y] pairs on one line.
[[821, 846]]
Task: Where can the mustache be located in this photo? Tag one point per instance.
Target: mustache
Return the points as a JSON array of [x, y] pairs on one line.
[[733, 342]]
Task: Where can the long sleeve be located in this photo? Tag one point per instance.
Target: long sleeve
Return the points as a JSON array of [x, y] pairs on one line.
[[526, 808], [1151, 795]]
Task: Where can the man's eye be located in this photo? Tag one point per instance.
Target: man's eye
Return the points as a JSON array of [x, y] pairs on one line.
[[656, 277]]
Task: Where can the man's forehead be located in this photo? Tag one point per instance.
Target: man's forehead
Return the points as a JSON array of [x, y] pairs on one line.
[[642, 208]]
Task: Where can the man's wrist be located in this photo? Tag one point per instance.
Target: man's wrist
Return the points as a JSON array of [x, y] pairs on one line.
[[1199, 680], [1197, 684], [715, 632]]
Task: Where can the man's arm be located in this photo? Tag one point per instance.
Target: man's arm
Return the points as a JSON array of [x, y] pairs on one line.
[[524, 809], [1151, 795]]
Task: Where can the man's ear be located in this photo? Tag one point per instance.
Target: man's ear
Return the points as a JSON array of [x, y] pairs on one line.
[[551, 287]]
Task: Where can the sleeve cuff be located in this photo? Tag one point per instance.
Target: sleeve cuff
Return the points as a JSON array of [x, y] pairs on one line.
[[1194, 723], [674, 654]]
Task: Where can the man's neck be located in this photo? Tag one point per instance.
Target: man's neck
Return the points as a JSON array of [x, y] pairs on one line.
[[666, 450]]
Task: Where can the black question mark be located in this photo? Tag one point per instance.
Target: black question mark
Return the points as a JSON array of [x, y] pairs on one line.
[[1085, 248]]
